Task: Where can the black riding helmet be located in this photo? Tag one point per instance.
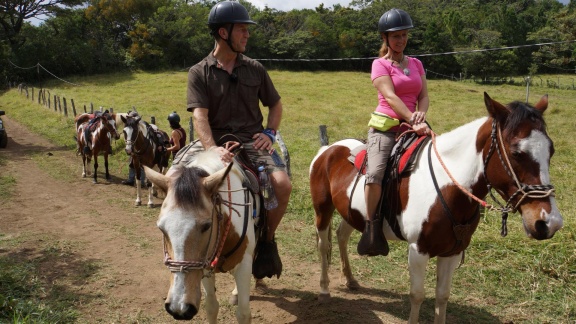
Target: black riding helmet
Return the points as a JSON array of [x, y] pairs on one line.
[[227, 12], [393, 20], [173, 118]]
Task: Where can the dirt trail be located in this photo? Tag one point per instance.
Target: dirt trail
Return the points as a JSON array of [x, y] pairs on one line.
[[109, 256]]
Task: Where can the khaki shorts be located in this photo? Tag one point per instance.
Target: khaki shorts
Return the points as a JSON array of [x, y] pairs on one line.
[[378, 150], [272, 161]]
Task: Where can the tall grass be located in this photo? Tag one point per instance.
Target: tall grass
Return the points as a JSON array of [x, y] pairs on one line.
[[511, 279]]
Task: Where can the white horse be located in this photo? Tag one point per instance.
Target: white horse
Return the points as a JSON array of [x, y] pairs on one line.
[[208, 228]]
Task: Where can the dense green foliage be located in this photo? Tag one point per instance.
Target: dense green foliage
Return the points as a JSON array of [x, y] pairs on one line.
[[111, 35]]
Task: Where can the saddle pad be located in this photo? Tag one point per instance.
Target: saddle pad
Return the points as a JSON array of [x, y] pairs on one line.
[[359, 161], [408, 157], [406, 160]]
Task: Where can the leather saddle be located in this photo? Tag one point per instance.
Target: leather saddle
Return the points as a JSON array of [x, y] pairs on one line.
[[403, 156]]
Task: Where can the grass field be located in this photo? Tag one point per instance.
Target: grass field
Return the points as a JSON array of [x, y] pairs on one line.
[[513, 277]]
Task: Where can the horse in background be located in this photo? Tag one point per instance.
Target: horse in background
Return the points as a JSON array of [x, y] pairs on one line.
[[142, 143], [208, 228], [435, 207], [102, 130]]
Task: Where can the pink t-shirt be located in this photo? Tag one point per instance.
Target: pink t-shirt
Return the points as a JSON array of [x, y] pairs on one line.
[[406, 87]]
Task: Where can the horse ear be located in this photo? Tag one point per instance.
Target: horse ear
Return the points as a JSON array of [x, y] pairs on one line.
[[495, 109], [157, 178], [212, 182], [542, 104], [123, 119]]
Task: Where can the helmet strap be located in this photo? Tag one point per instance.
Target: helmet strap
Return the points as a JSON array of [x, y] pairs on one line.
[[229, 40]]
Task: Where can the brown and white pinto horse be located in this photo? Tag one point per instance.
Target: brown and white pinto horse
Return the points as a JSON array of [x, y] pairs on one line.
[[142, 146], [207, 224], [435, 208], [104, 128]]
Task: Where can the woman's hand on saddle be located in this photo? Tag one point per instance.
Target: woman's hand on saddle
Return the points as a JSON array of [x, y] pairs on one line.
[[263, 142], [421, 129], [417, 118]]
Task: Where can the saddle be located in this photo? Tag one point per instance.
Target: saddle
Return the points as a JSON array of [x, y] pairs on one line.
[[266, 262], [402, 158], [161, 139]]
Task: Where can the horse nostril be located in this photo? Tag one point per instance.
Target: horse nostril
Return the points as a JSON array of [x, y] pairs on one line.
[[541, 230], [189, 312]]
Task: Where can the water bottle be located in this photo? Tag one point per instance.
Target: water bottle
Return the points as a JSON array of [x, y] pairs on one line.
[[266, 188]]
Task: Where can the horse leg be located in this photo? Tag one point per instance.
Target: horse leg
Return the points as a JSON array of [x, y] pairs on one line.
[[108, 178], [417, 266], [343, 234], [242, 277], [151, 197], [95, 180], [138, 184], [211, 303], [445, 270], [83, 165], [324, 250]]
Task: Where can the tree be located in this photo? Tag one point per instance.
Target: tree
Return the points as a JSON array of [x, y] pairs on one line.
[[14, 13]]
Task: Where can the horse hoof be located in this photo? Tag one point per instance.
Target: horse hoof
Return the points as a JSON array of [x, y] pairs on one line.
[[138, 203], [323, 298], [353, 285], [151, 205], [233, 300]]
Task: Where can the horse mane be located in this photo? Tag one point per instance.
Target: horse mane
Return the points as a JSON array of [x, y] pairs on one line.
[[520, 112], [188, 187]]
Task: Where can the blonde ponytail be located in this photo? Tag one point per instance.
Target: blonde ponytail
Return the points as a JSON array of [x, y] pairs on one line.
[[384, 47]]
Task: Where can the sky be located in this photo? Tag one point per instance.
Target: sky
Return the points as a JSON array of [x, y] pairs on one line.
[[287, 5]]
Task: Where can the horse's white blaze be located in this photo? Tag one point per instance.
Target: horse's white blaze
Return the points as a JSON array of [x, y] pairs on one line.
[[538, 146]]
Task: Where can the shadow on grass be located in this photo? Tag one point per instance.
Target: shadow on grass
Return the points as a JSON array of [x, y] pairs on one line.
[[365, 306], [43, 285]]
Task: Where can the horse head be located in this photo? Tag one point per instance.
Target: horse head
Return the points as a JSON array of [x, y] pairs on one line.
[[109, 121], [517, 162], [131, 131], [190, 220]]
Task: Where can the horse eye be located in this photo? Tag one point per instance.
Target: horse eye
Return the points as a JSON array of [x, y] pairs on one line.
[[205, 227]]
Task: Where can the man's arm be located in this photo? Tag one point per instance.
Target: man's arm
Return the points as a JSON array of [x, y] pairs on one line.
[[275, 116], [202, 127]]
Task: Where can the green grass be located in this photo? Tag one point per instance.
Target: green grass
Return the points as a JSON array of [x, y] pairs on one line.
[[512, 279]]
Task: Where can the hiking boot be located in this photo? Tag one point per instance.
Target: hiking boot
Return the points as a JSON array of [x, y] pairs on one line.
[[128, 182], [267, 262], [373, 242]]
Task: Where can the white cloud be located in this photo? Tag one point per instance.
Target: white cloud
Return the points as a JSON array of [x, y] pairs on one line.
[[287, 5]]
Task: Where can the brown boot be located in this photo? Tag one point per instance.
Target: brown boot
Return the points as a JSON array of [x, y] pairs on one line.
[[373, 242]]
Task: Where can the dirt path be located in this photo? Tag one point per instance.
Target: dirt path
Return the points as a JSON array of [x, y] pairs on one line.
[[96, 248]]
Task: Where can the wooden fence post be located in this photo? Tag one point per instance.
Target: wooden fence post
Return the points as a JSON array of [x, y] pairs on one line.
[[32, 93], [59, 105], [65, 107], [55, 103], [91, 108], [85, 109], [153, 120], [323, 135], [73, 107]]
